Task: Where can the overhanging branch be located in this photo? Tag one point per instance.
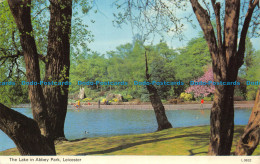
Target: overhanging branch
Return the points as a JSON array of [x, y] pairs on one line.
[[24, 132], [241, 49], [207, 28], [216, 7]]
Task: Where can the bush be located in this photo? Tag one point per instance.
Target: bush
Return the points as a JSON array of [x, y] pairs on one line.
[[174, 101], [207, 98], [145, 98], [115, 100], [239, 98], [251, 94], [238, 93], [186, 96], [128, 97], [136, 102], [86, 99], [102, 93], [163, 101]]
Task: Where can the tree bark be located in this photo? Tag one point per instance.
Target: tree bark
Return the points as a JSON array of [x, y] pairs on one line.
[[221, 121], [58, 64], [49, 105], [25, 133], [227, 58], [21, 12], [158, 107], [251, 136]]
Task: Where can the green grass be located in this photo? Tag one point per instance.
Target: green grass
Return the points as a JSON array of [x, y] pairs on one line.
[[176, 141]]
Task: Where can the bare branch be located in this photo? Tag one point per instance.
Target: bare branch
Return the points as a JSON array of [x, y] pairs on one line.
[[216, 7], [9, 56], [205, 23], [13, 39], [248, 17], [146, 68], [40, 12], [42, 57]]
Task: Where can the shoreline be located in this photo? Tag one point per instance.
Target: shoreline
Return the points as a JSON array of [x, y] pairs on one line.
[[145, 106]]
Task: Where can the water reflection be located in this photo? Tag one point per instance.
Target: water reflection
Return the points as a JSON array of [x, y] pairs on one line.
[[95, 123]]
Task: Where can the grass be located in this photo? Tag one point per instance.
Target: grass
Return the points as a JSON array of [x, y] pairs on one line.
[[176, 141]]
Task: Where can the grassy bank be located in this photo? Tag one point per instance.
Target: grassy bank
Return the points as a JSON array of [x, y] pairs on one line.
[[176, 141]]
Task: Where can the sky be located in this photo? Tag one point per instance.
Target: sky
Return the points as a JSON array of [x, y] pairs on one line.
[[107, 37]]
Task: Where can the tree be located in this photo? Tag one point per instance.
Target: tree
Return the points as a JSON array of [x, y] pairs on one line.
[[161, 68], [227, 58], [91, 67], [251, 136], [203, 90], [189, 64], [49, 103], [156, 102]]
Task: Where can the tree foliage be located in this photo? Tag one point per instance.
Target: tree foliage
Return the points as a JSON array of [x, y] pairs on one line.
[[200, 90]]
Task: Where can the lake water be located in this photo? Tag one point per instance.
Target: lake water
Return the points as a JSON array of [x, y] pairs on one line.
[[119, 122]]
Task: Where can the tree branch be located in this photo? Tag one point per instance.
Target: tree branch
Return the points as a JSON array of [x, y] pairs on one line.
[[216, 7], [10, 56], [241, 49], [146, 68], [42, 57], [39, 12], [21, 11], [207, 28], [24, 132], [13, 39]]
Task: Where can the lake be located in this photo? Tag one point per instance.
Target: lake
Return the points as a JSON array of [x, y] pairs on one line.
[[119, 122]]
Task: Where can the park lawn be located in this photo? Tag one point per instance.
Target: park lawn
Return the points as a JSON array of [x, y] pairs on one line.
[[175, 141]]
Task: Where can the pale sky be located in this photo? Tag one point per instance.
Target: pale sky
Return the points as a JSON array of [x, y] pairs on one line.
[[107, 37]]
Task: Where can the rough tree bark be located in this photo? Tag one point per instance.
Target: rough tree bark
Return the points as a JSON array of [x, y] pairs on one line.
[[250, 139], [227, 58], [158, 107], [58, 64], [25, 133], [21, 13], [49, 105]]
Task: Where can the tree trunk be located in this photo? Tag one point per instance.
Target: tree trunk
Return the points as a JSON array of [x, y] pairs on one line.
[[58, 64], [25, 133], [227, 58], [158, 107], [21, 13], [250, 139], [49, 105], [221, 121], [159, 110]]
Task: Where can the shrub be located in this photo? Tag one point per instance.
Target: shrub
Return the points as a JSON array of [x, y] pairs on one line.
[[163, 101], [251, 94], [128, 97], [145, 98], [207, 98], [239, 98], [136, 101], [174, 101], [102, 93], [86, 99], [115, 100], [186, 96]]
